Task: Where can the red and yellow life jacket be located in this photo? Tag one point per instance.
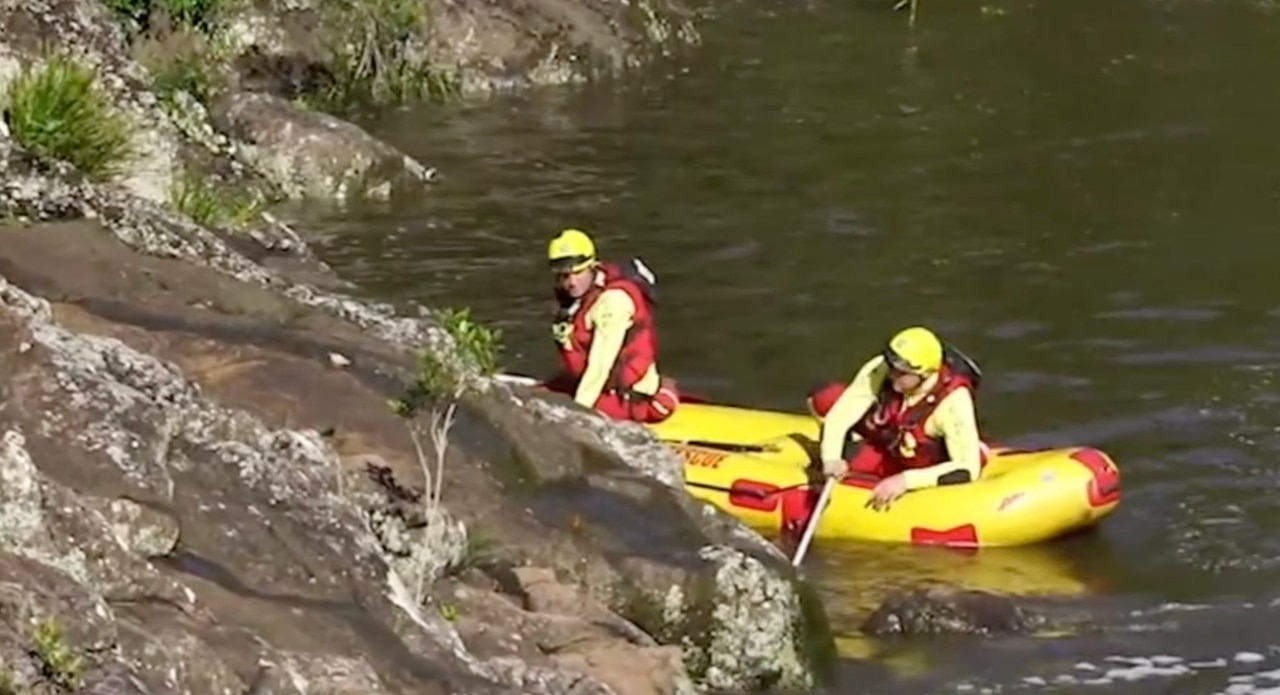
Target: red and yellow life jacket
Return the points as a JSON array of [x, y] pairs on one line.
[[900, 433], [640, 346]]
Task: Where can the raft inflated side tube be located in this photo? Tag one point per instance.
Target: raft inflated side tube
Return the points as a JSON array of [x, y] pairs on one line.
[[1021, 497]]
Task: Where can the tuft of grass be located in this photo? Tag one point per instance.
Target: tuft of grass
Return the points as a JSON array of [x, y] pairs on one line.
[[481, 550], [142, 15], [58, 661], [57, 112], [375, 59], [214, 206], [133, 12], [7, 684], [201, 14], [179, 61]]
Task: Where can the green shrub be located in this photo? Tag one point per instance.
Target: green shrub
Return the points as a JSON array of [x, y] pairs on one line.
[[179, 61], [57, 112], [130, 10], [443, 377], [58, 661], [374, 63], [193, 13], [7, 681], [214, 206], [144, 14]]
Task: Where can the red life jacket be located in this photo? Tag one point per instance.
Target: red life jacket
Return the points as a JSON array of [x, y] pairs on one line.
[[640, 346], [900, 434]]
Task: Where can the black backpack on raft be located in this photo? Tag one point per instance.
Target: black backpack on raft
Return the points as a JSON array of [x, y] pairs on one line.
[[961, 363]]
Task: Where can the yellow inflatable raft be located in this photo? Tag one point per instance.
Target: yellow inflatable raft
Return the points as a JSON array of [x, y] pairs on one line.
[[758, 466]]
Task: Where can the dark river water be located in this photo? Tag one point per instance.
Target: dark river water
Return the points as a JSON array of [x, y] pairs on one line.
[[1082, 195]]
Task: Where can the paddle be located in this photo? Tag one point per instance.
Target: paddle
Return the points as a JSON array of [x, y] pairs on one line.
[[723, 446], [813, 521], [746, 491], [517, 379], [522, 380]]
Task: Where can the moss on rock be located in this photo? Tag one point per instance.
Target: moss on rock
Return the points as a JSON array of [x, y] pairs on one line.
[[741, 628]]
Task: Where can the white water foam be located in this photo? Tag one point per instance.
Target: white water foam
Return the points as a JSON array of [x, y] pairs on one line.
[[1126, 670]]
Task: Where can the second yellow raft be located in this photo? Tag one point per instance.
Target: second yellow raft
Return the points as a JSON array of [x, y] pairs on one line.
[[760, 466]]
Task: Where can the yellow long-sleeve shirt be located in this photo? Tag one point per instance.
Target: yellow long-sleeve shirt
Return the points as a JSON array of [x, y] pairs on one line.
[[953, 421], [609, 318]]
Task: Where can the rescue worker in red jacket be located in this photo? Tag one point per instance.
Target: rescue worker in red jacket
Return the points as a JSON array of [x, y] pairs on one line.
[[912, 408], [605, 333]]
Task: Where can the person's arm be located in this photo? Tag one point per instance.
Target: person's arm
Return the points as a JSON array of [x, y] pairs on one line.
[[957, 424], [609, 319], [857, 398]]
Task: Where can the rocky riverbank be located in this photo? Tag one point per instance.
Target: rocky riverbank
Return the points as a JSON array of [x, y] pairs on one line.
[[204, 487]]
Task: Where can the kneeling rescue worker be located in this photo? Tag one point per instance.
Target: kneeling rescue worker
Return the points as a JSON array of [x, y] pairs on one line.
[[912, 407], [605, 333]]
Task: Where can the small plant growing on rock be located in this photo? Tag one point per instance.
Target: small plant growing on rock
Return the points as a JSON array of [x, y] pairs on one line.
[[141, 14], [378, 57], [210, 205], [57, 112], [60, 664], [7, 685], [444, 375], [180, 61], [195, 13]]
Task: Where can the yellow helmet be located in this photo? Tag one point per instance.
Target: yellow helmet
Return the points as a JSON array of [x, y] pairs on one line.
[[571, 251], [916, 350]]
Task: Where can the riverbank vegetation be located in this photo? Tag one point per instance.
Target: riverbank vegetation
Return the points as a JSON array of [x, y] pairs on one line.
[[376, 60], [445, 374], [59, 663], [57, 112], [214, 206], [374, 56], [182, 59]]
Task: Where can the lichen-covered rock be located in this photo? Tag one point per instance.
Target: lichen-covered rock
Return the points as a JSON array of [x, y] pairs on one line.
[[48, 523], [212, 544], [753, 627], [95, 405], [734, 605], [618, 544], [37, 192], [422, 540], [168, 140], [125, 426], [85, 29], [288, 46], [144, 531], [46, 613], [504, 45], [299, 524], [319, 674], [643, 451], [578, 637], [309, 153], [942, 609]]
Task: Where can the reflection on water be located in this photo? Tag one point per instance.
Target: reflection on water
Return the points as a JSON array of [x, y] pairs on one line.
[[856, 578]]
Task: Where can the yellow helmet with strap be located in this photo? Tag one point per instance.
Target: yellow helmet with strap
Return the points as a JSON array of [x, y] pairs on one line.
[[571, 251], [914, 350]]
